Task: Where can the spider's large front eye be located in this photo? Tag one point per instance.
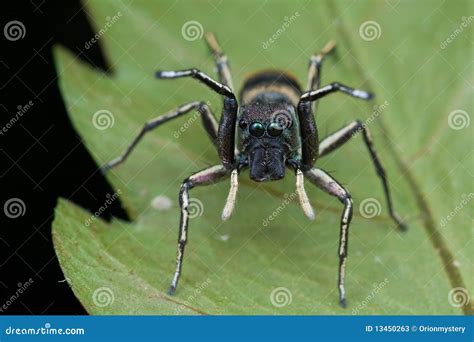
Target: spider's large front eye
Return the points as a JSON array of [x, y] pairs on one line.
[[256, 129], [274, 129]]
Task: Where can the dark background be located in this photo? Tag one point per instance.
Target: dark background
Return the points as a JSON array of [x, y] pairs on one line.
[[42, 157]]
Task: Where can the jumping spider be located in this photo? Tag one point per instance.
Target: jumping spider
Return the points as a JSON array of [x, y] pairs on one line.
[[276, 129]]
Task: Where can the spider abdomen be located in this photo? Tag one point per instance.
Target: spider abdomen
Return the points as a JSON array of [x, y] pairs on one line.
[[278, 84]]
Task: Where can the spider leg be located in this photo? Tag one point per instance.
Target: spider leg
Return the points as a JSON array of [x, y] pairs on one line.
[[340, 137], [208, 119], [315, 95], [226, 132], [315, 62], [205, 177], [308, 130], [309, 135], [200, 76], [328, 184], [222, 62]]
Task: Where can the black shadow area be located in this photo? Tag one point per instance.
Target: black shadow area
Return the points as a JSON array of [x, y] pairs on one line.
[[42, 157]]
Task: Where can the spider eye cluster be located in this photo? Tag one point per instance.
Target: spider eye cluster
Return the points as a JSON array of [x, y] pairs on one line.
[[257, 129]]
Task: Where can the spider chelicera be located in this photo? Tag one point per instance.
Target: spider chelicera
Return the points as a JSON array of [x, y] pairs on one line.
[[276, 129]]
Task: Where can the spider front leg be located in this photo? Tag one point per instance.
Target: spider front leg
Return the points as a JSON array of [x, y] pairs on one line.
[[226, 147], [308, 130], [226, 133], [314, 69], [340, 137], [205, 177], [208, 119], [328, 184], [222, 62], [335, 87]]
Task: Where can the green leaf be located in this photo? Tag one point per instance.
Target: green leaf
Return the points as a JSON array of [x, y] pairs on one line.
[[243, 266]]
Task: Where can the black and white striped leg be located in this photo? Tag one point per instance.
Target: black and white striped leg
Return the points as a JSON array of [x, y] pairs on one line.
[[201, 77], [226, 131], [340, 137], [222, 63], [315, 62], [208, 119], [328, 184], [315, 95], [205, 177], [308, 129]]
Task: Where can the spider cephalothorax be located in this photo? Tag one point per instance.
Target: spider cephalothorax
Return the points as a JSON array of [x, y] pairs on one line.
[[276, 130], [268, 136]]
